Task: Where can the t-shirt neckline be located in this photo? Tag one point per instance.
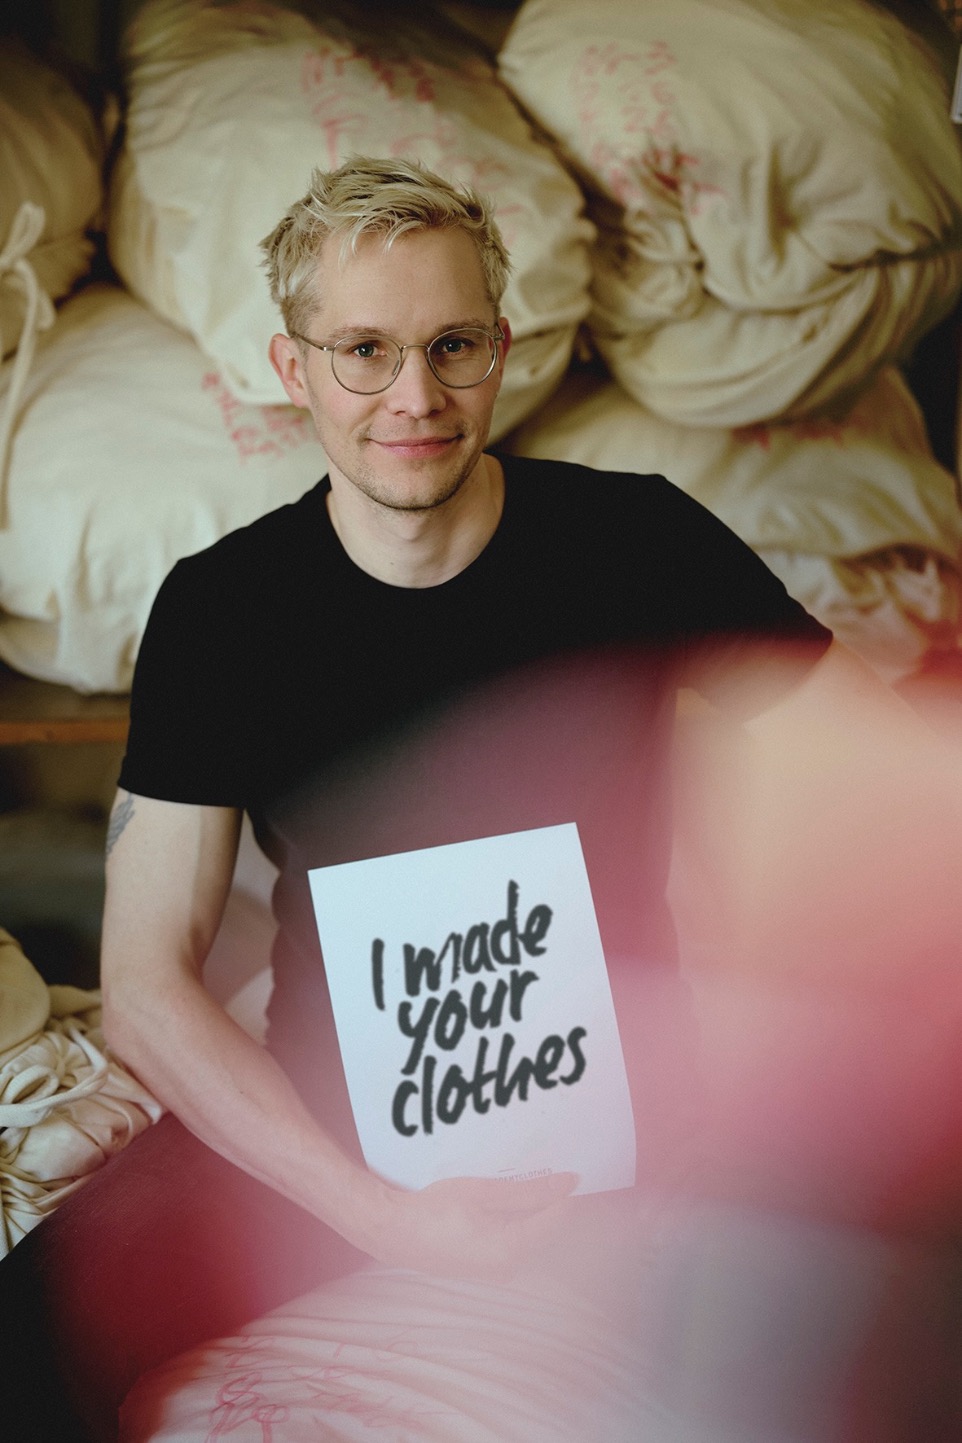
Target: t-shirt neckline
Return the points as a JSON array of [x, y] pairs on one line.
[[463, 579]]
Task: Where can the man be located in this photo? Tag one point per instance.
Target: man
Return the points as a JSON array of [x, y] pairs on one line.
[[434, 644], [396, 346]]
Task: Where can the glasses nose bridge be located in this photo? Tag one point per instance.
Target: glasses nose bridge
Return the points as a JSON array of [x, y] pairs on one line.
[[424, 346]]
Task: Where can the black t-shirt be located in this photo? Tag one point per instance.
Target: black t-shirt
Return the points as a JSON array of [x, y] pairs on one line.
[[352, 718]]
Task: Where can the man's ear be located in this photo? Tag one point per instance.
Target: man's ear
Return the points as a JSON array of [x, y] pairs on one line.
[[504, 347], [285, 357], [505, 325]]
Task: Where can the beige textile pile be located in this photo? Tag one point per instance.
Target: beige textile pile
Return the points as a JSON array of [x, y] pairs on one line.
[[66, 1106], [132, 439], [230, 110], [51, 153], [777, 186], [687, 1325], [404, 1356]]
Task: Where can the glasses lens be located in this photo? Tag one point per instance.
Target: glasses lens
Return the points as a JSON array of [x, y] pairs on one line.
[[366, 363], [463, 358]]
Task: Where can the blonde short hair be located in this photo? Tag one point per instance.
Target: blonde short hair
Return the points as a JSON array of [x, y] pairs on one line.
[[368, 196]]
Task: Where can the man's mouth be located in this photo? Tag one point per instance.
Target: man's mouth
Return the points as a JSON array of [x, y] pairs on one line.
[[415, 446]]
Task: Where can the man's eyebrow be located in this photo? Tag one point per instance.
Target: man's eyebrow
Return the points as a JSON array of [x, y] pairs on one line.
[[341, 333]]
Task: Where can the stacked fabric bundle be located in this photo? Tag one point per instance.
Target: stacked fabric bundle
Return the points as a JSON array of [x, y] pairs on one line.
[[397, 1355], [777, 186], [776, 190], [130, 437], [229, 111], [51, 158], [65, 1105], [640, 1336]]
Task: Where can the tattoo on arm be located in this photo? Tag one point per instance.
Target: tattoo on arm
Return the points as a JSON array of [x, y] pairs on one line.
[[122, 812]]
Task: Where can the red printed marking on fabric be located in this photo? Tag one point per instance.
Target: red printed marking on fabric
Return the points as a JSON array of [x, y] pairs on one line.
[[816, 428], [318, 61], [335, 129], [256, 430], [658, 58], [241, 1399]]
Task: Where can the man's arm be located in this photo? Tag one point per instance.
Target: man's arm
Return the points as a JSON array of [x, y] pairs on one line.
[[169, 871]]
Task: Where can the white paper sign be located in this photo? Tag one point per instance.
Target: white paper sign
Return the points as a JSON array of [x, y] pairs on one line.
[[474, 1012]]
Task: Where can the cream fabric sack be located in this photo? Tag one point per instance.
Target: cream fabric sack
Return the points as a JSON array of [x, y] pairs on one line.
[[130, 452], [66, 1105], [853, 513], [404, 1357], [51, 190], [230, 111], [777, 185]]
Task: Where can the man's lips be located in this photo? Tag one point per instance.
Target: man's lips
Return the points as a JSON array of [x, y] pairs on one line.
[[416, 445]]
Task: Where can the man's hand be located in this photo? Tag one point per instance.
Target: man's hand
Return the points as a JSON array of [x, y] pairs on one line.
[[470, 1227]]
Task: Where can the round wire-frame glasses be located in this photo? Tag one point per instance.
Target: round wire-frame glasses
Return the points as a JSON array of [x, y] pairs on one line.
[[367, 364]]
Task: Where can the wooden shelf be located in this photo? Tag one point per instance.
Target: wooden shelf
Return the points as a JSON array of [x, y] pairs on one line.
[[39, 711]]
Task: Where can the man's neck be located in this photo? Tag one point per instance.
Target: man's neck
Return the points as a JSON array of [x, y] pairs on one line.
[[418, 549]]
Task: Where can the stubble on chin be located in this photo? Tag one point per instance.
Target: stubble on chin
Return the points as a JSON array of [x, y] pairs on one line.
[[430, 501], [417, 494]]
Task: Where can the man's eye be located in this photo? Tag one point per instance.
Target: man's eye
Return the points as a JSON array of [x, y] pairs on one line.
[[455, 345], [364, 350]]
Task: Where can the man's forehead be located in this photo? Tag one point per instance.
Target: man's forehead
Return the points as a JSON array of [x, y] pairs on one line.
[[376, 284]]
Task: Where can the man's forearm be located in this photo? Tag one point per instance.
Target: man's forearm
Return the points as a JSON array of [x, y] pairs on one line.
[[167, 880], [232, 1094]]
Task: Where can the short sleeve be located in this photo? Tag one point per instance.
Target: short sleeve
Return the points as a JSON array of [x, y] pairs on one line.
[[187, 729], [744, 641]]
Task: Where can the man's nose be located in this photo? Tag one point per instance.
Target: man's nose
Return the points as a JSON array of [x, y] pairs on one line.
[[416, 389]]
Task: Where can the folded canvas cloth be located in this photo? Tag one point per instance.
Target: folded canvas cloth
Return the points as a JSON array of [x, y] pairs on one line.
[[142, 483], [66, 1105], [777, 187], [404, 1356], [51, 153], [657, 1353], [231, 107]]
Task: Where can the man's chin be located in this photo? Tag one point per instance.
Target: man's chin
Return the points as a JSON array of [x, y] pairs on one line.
[[416, 504], [418, 492]]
